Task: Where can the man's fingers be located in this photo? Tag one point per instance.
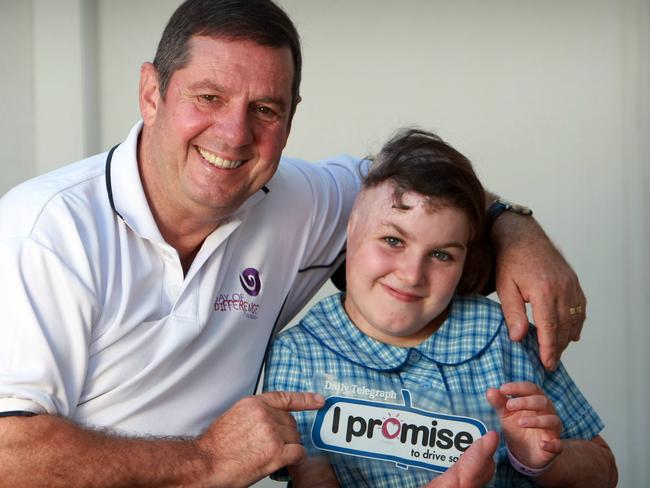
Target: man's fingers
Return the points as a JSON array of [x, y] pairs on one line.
[[474, 468], [575, 308], [488, 444], [477, 463], [572, 316], [568, 320], [289, 434], [576, 328], [578, 315], [291, 455], [514, 309], [293, 401], [569, 317], [483, 449], [546, 319], [279, 417], [284, 419]]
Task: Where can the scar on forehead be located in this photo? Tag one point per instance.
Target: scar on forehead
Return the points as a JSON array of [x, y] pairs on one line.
[[393, 225], [401, 206], [430, 204]]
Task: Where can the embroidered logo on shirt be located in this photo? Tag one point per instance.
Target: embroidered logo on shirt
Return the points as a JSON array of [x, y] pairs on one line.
[[240, 302], [250, 280]]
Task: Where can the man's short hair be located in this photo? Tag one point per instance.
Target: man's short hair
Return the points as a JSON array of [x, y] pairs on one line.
[[260, 21], [417, 161]]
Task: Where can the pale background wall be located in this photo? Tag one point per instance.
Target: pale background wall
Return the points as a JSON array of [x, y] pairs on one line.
[[549, 99]]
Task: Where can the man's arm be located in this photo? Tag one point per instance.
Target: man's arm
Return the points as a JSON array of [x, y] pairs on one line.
[[530, 269], [46, 450], [582, 464], [254, 438]]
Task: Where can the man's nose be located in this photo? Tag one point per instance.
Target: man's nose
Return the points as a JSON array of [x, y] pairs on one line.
[[232, 125]]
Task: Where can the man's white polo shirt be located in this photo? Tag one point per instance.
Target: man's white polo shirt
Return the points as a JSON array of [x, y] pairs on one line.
[[100, 325]]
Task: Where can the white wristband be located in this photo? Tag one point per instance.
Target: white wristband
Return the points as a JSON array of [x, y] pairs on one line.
[[527, 470]]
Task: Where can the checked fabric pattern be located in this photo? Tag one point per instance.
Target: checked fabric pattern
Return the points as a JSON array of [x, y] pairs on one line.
[[468, 354]]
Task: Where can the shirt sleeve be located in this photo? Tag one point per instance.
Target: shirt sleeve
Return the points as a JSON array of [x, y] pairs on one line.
[[45, 331], [332, 186], [579, 419]]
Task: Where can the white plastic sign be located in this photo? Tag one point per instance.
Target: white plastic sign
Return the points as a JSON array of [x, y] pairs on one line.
[[392, 432]]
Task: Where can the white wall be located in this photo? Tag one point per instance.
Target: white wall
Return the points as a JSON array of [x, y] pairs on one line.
[[549, 99], [16, 90]]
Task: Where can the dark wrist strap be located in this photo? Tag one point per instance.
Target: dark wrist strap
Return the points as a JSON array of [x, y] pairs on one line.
[[499, 206]]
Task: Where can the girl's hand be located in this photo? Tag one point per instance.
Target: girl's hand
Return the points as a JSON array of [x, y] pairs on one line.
[[529, 421]]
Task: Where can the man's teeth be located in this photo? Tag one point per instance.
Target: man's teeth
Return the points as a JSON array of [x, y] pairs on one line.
[[219, 162]]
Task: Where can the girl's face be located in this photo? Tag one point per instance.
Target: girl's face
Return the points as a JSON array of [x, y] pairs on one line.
[[403, 265]]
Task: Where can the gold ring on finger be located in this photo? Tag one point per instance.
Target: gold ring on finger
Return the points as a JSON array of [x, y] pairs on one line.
[[575, 310]]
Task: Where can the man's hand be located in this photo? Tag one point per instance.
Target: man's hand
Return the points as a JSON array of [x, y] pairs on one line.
[[256, 437], [474, 468], [529, 269]]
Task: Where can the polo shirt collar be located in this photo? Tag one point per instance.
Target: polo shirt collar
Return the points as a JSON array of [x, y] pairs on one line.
[[471, 326], [129, 199]]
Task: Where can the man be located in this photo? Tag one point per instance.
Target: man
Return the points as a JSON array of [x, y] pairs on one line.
[[142, 286]]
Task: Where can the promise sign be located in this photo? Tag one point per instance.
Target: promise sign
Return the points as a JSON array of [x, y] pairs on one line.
[[397, 433]]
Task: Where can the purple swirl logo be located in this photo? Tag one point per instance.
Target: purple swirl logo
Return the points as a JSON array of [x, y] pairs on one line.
[[250, 280]]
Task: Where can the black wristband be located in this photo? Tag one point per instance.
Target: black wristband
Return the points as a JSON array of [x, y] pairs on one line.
[[499, 206]]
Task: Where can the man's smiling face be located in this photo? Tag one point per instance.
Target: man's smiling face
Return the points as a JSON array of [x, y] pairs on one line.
[[217, 136]]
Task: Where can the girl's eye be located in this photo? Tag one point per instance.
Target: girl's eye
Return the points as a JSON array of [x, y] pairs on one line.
[[392, 241], [441, 255]]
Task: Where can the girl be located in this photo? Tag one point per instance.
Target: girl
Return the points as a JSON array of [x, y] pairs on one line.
[[415, 260]]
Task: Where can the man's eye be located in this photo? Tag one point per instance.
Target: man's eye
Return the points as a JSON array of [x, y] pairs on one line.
[[441, 255], [208, 98], [266, 113], [393, 241]]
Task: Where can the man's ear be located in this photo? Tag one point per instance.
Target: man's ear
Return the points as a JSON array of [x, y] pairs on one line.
[[149, 95]]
